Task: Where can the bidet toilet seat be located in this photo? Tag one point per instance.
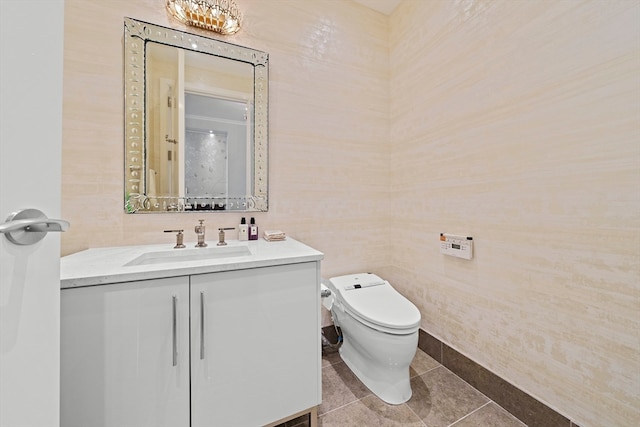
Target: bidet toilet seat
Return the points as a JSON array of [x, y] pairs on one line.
[[380, 332], [375, 303]]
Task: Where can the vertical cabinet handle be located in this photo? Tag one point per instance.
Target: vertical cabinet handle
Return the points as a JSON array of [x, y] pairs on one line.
[[175, 330], [202, 325]]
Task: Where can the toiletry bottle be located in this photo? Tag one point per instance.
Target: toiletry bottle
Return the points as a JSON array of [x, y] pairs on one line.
[[243, 230], [253, 230]]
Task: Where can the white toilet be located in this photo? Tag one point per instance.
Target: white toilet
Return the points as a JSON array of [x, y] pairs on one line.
[[379, 332]]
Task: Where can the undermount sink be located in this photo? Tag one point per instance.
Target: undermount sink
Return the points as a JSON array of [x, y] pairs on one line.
[[185, 255]]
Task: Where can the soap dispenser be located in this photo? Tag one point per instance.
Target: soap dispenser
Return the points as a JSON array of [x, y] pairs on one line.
[[243, 230], [253, 230]]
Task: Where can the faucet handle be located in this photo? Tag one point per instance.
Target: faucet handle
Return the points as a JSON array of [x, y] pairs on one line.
[[221, 230], [199, 229], [179, 238]]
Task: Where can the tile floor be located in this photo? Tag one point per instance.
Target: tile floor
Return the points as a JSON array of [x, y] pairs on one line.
[[440, 399]]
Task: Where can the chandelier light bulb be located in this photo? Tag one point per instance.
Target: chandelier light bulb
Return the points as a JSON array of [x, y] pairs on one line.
[[221, 16]]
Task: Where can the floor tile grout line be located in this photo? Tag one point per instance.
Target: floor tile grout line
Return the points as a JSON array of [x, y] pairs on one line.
[[340, 407], [416, 414], [469, 414], [402, 404], [513, 416], [465, 416], [427, 371], [419, 375], [422, 422], [490, 400]]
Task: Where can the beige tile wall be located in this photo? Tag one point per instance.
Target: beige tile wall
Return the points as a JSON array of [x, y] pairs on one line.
[[513, 122], [328, 117], [328, 128], [518, 123]]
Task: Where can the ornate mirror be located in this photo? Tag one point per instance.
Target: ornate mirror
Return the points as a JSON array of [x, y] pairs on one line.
[[196, 122]]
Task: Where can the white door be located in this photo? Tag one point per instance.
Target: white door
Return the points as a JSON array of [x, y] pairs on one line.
[[125, 354], [31, 42]]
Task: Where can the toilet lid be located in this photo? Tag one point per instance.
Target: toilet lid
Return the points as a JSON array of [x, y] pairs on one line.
[[373, 299]]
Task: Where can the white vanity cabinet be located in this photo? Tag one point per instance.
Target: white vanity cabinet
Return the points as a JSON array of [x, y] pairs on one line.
[[255, 345], [125, 354], [220, 344]]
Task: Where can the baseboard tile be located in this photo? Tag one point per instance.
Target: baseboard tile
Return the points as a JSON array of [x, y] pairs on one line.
[[524, 407], [518, 403]]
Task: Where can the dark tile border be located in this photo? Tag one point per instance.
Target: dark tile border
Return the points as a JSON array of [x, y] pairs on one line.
[[430, 345], [524, 407]]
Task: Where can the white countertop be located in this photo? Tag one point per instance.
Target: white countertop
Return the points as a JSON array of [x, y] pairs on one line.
[[102, 266]]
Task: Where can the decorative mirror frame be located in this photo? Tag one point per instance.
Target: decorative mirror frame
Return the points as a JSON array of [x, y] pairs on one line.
[[136, 36]]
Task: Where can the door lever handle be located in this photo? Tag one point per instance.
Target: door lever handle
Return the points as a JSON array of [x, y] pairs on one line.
[[29, 226]]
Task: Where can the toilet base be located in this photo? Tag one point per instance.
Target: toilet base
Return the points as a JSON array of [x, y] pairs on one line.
[[390, 385]]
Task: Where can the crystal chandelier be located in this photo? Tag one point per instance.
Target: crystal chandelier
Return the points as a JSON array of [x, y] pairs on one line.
[[221, 16]]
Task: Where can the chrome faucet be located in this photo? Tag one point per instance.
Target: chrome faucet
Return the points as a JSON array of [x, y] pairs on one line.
[[200, 233], [221, 241]]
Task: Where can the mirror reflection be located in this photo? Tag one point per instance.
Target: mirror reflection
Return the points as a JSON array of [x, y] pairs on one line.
[[198, 139]]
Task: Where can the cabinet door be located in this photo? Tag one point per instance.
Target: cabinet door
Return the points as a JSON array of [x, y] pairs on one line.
[[257, 360], [117, 354]]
